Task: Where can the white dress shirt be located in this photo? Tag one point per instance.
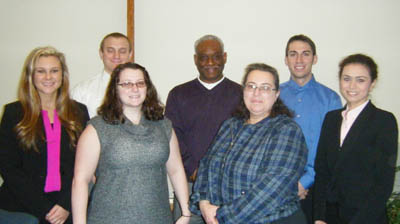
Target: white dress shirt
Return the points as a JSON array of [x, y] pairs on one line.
[[91, 92]]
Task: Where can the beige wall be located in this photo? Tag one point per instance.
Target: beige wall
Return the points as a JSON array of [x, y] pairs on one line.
[[75, 27], [253, 31], [257, 31]]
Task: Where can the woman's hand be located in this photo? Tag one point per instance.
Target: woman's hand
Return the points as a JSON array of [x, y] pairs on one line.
[[183, 220], [209, 212], [320, 222], [57, 215]]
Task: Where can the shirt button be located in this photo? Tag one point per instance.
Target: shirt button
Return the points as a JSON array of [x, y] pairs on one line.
[[298, 115], [243, 193], [299, 100]]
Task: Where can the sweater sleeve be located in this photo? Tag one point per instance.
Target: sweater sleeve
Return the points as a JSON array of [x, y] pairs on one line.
[[173, 113]]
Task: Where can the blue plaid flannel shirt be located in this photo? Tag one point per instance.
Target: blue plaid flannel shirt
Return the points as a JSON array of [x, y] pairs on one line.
[[251, 171]]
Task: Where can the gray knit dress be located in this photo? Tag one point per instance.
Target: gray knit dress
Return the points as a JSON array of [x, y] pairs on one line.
[[131, 185]]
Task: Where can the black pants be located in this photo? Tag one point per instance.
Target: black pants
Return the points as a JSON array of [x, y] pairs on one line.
[[339, 215], [307, 206], [332, 214], [296, 218]]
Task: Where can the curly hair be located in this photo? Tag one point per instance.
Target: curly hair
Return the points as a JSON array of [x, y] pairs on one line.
[[111, 109], [278, 108], [30, 128]]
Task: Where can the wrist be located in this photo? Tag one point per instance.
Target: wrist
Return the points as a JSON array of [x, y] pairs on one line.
[[204, 202]]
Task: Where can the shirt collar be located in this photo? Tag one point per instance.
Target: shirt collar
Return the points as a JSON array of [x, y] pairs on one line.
[[352, 114], [209, 86], [260, 123], [308, 85], [105, 75]]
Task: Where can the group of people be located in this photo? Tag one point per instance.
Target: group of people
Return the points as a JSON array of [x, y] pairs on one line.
[[255, 152]]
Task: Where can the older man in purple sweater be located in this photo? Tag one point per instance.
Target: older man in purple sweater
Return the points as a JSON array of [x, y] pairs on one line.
[[197, 108]]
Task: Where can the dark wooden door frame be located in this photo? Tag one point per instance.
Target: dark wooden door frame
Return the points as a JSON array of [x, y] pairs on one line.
[[130, 25]]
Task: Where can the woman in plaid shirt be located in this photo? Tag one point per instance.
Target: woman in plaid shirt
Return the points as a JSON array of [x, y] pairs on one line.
[[251, 170]]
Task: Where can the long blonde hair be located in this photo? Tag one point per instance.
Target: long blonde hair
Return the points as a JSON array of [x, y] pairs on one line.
[[30, 129]]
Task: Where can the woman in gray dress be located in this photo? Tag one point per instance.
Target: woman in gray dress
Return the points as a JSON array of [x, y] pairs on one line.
[[130, 148]]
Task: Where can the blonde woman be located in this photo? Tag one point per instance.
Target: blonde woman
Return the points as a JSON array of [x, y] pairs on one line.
[[38, 136]]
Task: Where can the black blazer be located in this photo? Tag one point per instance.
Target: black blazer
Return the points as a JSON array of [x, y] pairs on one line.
[[24, 173], [358, 176]]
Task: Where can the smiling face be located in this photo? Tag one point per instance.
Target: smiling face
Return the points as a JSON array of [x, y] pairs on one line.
[[355, 84], [300, 60], [210, 60], [47, 76], [259, 103], [114, 52], [131, 96]]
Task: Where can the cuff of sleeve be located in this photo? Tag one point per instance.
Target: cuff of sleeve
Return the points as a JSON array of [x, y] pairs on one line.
[[306, 182], [194, 202], [203, 196], [225, 216]]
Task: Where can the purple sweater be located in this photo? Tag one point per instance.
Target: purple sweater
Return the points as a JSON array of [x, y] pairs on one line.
[[197, 113]]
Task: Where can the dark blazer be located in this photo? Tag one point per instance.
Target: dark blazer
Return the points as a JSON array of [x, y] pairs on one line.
[[24, 172], [359, 176]]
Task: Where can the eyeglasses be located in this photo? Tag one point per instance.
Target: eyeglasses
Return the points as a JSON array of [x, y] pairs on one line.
[[129, 85], [264, 89]]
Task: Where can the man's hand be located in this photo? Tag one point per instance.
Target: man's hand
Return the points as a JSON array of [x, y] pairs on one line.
[[302, 192]]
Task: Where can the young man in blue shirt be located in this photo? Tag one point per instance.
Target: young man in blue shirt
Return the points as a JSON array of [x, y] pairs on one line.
[[310, 101]]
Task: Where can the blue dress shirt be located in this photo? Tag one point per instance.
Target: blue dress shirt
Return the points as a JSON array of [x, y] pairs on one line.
[[309, 103]]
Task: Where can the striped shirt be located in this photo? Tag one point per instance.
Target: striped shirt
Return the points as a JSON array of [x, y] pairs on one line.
[[251, 171]]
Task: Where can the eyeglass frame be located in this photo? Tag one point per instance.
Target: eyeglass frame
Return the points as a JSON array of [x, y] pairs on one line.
[[264, 88], [130, 85]]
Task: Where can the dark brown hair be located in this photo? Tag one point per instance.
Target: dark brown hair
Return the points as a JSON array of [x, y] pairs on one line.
[[361, 59], [303, 38], [111, 108], [278, 108]]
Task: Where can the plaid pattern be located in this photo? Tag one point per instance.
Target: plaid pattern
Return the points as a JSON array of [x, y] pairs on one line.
[[251, 171]]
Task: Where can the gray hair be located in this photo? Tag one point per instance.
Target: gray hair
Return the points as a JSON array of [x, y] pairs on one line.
[[208, 37]]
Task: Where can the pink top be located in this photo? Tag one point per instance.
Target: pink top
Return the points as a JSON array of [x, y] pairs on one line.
[[53, 139]]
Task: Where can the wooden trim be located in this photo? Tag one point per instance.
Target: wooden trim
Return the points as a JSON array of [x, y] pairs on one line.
[[130, 29]]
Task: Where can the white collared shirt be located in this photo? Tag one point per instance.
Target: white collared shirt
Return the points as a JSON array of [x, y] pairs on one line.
[[349, 116], [209, 86], [91, 92]]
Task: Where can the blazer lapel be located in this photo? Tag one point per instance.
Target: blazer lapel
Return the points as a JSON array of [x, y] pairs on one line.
[[359, 126], [337, 125]]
